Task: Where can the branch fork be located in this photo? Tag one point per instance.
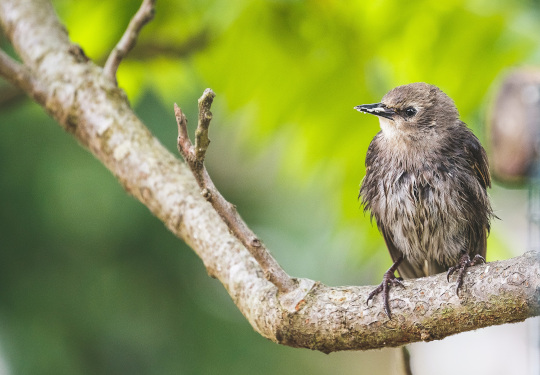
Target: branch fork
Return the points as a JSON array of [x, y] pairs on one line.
[[194, 157], [128, 40]]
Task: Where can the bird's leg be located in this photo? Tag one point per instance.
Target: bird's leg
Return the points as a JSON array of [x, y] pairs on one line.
[[462, 265], [389, 279]]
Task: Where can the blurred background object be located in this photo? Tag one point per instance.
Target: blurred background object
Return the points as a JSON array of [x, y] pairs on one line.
[[514, 134], [90, 283], [514, 127]]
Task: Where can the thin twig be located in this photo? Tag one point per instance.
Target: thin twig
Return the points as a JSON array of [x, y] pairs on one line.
[[194, 157], [20, 76], [205, 116], [150, 49], [128, 40]]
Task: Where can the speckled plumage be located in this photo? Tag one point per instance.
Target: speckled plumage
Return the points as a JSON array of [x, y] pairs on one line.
[[426, 180]]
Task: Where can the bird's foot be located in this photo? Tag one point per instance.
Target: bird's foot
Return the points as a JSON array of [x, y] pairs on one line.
[[389, 279], [462, 265]]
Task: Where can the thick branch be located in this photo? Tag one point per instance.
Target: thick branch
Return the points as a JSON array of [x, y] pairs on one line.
[[330, 319], [128, 40], [96, 112], [194, 157]]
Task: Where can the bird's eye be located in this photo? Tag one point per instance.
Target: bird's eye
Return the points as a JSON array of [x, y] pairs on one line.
[[410, 111]]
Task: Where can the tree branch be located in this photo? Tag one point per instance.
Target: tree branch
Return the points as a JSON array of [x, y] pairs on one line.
[[150, 49], [194, 157], [19, 76], [128, 40], [90, 106], [205, 116]]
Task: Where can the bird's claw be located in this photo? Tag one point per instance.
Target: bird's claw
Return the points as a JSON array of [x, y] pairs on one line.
[[462, 265], [389, 279]]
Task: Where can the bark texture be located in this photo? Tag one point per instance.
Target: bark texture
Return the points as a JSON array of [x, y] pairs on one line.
[[87, 103]]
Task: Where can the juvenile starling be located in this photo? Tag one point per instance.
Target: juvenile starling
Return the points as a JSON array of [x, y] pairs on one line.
[[425, 185]]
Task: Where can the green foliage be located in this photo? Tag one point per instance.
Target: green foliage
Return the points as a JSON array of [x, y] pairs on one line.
[[91, 283]]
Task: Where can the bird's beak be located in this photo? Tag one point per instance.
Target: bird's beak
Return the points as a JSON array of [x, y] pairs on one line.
[[378, 109]]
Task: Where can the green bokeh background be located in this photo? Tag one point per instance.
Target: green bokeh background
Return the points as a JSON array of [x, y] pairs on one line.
[[91, 283]]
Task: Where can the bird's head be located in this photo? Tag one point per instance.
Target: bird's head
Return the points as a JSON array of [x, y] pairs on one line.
[[413, 112]]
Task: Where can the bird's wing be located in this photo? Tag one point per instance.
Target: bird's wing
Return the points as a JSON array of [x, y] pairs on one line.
[[478, 160], [482, 248], [405, 269]]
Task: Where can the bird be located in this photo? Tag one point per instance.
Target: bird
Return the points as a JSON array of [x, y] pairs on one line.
[[426, 187]]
